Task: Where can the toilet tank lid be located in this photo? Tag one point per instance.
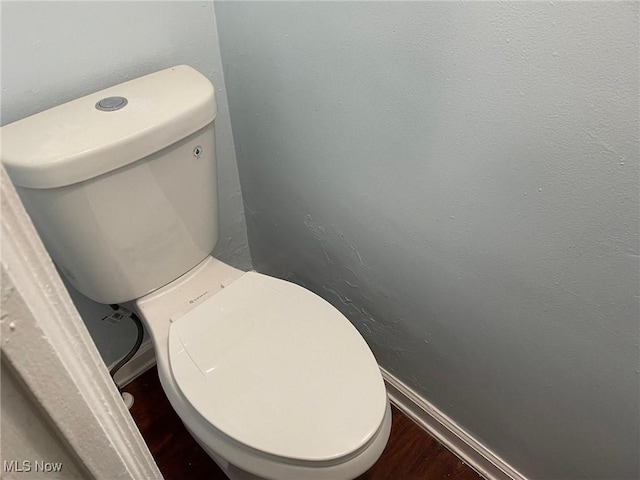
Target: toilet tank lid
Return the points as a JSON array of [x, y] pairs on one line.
[[77, 141]]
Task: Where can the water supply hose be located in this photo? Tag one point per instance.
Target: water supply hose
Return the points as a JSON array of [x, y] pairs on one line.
[[136, 346]]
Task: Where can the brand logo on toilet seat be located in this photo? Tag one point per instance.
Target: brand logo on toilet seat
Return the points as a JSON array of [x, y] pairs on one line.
[[195, 299]]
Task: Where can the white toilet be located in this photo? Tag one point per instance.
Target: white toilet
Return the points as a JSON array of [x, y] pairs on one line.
[[270, 379]]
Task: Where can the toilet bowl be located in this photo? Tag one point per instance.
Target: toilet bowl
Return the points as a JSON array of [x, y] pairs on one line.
[[269, 378]]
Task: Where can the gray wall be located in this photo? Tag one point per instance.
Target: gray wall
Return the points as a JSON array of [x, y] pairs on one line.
[[461, 180], [53, 52]]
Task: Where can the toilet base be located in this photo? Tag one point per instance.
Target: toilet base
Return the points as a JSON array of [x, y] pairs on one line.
[[230, 470]]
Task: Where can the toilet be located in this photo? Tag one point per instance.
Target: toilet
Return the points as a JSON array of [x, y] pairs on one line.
[[270, 379]]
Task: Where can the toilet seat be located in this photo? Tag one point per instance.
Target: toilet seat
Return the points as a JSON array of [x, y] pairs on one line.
[[279, 370]]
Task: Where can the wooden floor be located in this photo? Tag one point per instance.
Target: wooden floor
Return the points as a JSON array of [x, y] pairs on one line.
[[411, 453]]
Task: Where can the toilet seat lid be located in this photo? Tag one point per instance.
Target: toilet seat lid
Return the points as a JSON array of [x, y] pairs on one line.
[[278, 369]]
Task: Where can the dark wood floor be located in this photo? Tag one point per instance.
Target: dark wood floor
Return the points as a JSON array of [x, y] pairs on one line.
[[411, 453]]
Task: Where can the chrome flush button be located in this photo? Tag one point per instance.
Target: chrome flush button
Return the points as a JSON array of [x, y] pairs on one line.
[[111, 104]]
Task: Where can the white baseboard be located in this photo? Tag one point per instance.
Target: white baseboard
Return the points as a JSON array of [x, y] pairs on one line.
[[448, 433], [142, 361]]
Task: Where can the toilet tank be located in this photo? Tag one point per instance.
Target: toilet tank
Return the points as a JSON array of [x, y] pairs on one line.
[[122, 191]]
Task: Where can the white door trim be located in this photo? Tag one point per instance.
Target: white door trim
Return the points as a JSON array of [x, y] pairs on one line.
[[46, 343]]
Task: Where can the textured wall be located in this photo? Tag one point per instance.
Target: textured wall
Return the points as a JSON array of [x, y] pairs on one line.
[[461, 180], [54, 52]]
